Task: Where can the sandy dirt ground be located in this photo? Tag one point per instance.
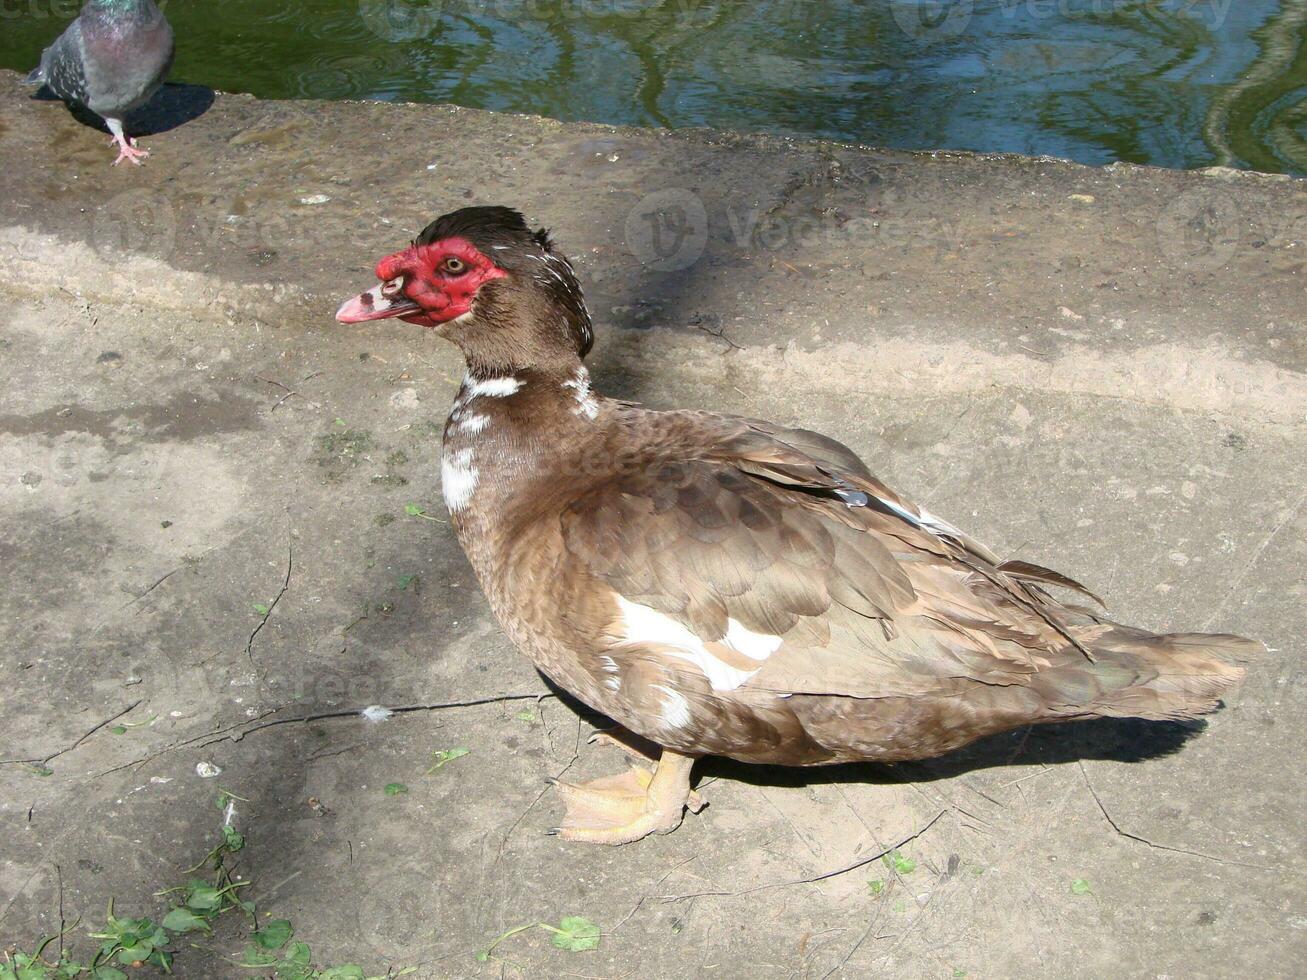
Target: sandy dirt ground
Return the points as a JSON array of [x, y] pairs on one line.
[[220, 514]]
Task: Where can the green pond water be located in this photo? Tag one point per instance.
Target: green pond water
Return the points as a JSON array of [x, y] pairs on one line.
[[1179, 83]]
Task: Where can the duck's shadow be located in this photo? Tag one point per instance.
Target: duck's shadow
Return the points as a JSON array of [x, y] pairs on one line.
[[1109, 739], [175, 104]]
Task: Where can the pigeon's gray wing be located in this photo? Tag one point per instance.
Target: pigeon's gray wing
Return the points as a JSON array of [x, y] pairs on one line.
[[63, 68]]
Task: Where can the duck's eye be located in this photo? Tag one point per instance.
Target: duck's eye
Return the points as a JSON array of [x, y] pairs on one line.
[[453, 266]]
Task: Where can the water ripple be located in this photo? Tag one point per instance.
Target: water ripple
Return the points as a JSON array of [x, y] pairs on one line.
[[1171, 82]]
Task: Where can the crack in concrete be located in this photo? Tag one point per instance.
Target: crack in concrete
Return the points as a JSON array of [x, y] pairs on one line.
[[210, 738], [108, 721], [285, 587], [1153, 844]]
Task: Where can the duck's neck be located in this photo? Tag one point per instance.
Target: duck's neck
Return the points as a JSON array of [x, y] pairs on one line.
[[509, 430]]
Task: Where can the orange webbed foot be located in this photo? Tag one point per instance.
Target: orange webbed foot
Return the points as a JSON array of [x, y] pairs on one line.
[[624, 808]]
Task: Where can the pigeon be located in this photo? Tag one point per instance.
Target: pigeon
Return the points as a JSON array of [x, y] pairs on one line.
[[110, 60]]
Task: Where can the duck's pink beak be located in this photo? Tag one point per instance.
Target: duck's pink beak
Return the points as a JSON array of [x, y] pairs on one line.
[[372, 304]]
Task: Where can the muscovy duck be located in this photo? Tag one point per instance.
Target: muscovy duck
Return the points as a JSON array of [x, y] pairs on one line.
[[725, 586], [111, 60]]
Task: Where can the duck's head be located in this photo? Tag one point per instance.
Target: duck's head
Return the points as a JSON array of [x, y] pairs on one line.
[[481, 278]]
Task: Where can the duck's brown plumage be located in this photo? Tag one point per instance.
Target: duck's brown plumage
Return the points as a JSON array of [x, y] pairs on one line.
[[897, 641], [723, 586]]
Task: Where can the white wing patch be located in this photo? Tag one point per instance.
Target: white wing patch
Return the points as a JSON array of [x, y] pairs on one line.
[[755, 646], [458, 479], [676, 710], [641, 624]]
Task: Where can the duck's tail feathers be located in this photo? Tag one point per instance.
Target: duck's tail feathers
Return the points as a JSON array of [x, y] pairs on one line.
[[1170, 677]]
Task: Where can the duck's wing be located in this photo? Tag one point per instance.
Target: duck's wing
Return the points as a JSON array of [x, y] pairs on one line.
[[779, 564]]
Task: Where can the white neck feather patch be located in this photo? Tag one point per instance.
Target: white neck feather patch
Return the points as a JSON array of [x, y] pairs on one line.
[[458, 472], [489, 387], [458, 479], [586, 403]]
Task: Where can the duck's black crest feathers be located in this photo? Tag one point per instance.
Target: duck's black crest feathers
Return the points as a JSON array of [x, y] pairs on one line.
[[484, 226]]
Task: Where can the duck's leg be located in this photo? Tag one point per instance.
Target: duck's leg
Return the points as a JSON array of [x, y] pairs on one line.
[[625, 808], [633, 745]]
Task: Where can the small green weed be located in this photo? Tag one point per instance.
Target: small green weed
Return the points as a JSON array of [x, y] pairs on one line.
[[413, 510], [574, 933], [141, 943], [122, 728], [446, 755], [899, 864]]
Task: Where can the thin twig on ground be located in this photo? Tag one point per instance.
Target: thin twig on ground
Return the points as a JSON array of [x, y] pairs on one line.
[[549, 784], [63, 924], [157, 582], [285, 586], [401, 710], [1154, 844], [238, 731], [269, 381], [860, 863], [872, 924], [108, 721], [644, 898]]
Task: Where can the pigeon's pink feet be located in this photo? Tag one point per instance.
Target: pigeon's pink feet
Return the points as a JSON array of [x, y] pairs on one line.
[[127, 150]]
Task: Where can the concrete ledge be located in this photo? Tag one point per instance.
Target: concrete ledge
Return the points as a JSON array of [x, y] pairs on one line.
[[1098, 369]]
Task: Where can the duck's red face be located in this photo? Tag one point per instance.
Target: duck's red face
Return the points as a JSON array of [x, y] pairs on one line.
[[424, 284]]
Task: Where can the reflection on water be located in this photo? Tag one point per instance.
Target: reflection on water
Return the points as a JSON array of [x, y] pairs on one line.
[[1260, 119], [1180, 83]]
